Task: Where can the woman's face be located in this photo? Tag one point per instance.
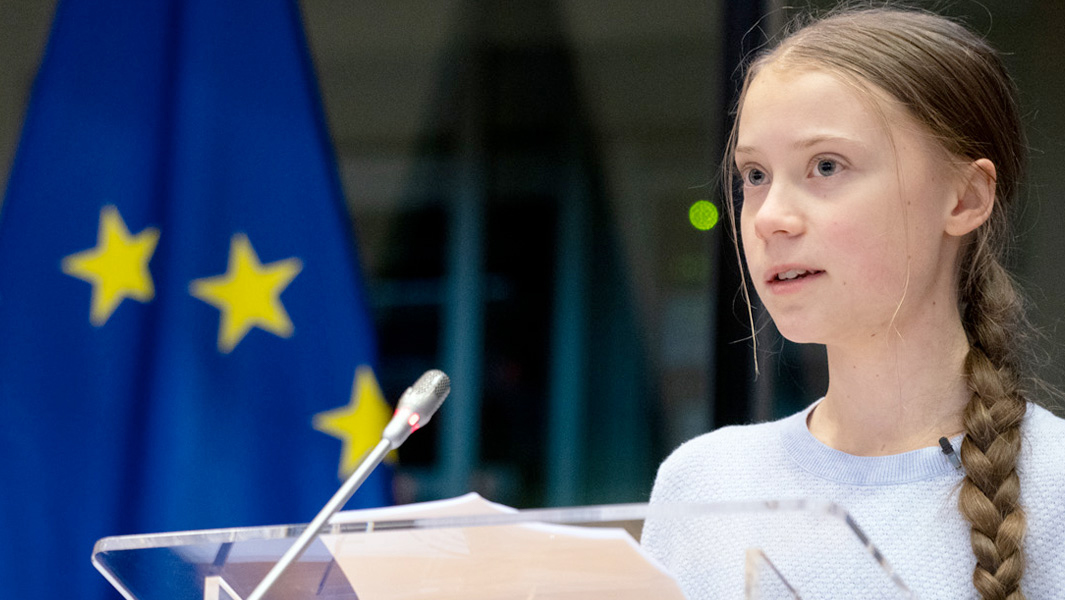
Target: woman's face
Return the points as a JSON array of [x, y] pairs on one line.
[[842, 219]]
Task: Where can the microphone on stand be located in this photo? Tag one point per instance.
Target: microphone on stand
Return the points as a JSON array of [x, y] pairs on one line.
[[416, 406], [414, 409]]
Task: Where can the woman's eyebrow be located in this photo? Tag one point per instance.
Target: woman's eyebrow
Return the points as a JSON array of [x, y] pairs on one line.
[[744, 150], [803, 143], [827, 137]]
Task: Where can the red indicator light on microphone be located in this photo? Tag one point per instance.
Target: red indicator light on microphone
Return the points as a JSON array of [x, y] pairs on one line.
[[412, 420]]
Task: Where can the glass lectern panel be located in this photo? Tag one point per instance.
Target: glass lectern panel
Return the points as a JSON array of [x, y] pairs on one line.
[[470, 549]]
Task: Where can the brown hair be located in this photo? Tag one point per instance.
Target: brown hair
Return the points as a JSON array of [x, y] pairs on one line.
[[955, 85]]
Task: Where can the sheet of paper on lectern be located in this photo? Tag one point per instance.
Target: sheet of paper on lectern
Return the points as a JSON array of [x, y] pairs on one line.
[[526, 560]]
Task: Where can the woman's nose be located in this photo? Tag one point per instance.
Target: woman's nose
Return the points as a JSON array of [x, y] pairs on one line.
[[778, 213]]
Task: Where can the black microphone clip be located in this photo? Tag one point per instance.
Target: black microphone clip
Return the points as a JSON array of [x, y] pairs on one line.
[[948, 450]]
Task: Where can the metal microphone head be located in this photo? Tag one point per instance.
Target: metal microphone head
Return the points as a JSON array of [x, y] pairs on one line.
[[428, 393], [417, 405]]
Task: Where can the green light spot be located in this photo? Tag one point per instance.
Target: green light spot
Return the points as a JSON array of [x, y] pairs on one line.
[[703, 215]]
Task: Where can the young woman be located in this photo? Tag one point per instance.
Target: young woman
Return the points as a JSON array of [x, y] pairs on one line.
[[879, 152]]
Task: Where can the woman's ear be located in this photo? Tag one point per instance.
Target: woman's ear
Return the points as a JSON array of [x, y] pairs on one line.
[[974, 199]]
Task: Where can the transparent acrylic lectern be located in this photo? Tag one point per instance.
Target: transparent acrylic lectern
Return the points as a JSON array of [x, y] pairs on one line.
[[467, 548]]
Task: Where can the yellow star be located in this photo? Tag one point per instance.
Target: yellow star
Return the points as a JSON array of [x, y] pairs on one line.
[[248, 294], [117, 267], [359, 423]]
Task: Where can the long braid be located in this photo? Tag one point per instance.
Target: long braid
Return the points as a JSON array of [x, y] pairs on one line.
[[990, 493]]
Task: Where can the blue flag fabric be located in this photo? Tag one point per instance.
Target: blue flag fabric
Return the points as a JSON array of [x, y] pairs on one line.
[[181, 317]]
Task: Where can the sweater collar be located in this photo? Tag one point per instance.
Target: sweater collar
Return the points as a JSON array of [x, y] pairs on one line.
[[821, 460]]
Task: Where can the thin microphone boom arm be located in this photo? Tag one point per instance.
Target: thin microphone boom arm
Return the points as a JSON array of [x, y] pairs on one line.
[[413, 410]]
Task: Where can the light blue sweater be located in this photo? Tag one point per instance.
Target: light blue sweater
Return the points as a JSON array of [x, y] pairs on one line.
[[905, 503]]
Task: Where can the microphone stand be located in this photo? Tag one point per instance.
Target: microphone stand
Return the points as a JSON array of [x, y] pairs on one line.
[[414, 409], [368, 464]]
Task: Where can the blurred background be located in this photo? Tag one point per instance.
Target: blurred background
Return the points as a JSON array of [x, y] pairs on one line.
[[528, 182]]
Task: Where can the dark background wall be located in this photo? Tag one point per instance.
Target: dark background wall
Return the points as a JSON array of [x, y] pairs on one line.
[[519, 175]]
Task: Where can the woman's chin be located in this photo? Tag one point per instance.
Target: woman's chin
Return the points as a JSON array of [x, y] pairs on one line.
[[799, 333]]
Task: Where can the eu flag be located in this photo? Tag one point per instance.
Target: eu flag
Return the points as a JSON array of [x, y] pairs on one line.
[[183, 331]]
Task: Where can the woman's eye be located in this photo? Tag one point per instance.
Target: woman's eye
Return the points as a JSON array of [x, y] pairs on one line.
[[755, 177], [826, 167]]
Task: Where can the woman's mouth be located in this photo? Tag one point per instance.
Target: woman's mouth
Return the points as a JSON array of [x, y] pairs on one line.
[[793, 274], [792, 279]]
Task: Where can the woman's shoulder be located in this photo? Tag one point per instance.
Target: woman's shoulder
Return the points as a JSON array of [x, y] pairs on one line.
[[737, 441], [729, 452], [1042, 421], [727, 442], [1043, 447]]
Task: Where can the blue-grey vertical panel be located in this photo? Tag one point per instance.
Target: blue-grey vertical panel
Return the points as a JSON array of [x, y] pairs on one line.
[[463, 335], [568, 364]]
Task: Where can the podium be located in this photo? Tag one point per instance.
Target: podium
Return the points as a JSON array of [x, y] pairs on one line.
[[469, 548]]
